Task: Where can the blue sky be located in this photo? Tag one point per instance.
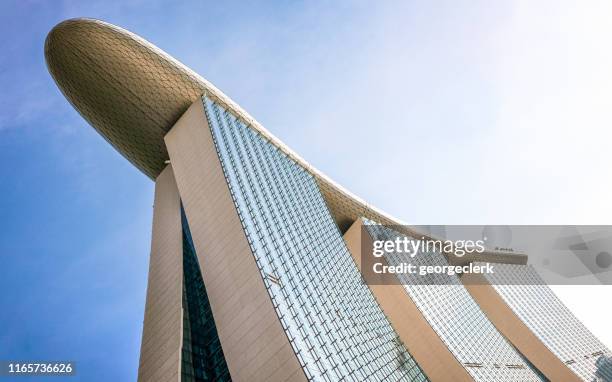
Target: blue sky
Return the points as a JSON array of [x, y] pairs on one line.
[[496, 112]]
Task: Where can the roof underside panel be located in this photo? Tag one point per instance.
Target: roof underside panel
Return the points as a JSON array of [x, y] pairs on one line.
[[127, 89], [132, 93]]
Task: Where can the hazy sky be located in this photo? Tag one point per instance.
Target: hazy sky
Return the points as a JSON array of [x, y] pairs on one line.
[[437, 112]]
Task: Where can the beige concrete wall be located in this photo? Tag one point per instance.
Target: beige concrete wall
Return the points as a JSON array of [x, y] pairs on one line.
[[511, 326], [255, 346], [418, 336], [162, 334]]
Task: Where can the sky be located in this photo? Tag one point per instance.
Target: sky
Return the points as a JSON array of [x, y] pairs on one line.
[[445, 112]]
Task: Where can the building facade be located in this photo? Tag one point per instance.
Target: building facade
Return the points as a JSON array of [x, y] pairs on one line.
[[252, 274]]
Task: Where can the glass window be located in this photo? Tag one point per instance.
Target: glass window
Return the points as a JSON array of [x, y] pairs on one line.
[[333, 321]]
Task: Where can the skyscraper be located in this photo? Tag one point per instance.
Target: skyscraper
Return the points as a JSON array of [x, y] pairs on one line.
[[250, 275]]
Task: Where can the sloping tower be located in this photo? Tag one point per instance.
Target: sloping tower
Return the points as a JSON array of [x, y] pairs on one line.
[[250, 277]]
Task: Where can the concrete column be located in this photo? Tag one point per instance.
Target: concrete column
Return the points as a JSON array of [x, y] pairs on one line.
[[162, 334]]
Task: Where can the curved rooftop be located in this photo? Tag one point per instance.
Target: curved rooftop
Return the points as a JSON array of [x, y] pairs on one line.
[[132, 93]]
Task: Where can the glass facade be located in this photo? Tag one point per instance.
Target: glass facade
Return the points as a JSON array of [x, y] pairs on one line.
[[458, 320], [332, 320], [546, 316], [202, 356]]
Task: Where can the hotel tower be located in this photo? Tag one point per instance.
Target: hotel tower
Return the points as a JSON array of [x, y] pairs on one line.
[[254, 271]]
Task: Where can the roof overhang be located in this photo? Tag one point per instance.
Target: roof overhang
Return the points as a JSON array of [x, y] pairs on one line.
[[132, 93]]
